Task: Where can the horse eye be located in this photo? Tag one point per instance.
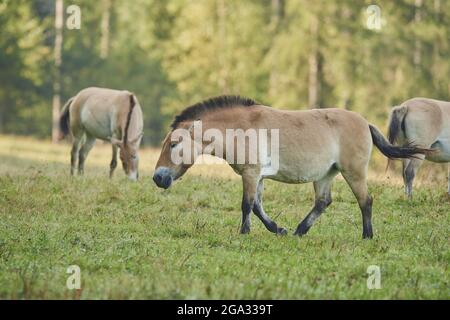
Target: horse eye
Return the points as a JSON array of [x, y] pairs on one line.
[[173, 145], [134, 157]]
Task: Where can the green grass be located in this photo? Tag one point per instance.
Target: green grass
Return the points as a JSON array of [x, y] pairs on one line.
[[137, 241]]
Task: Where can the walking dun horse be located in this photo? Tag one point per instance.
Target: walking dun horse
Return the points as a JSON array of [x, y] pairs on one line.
[[314, 146], [426, 123], [106, 114]]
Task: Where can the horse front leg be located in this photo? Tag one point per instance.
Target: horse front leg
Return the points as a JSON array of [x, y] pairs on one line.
[[74, 154], [250, 182], [113, 163], [259, 212]]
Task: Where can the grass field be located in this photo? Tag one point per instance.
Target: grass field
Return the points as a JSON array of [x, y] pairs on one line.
[[137, 241]]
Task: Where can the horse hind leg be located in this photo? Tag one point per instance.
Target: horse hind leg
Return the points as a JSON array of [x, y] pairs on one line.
[[259, 212], [405, 163], [74, 153], [410, 173], [87, 146], [358, 184], [323, 199]]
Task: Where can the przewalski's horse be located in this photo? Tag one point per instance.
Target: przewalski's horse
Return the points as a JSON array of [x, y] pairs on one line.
[[106, 114], [426, 123], [314, 146]]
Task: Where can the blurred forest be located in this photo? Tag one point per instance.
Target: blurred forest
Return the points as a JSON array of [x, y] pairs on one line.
[[291, 54]]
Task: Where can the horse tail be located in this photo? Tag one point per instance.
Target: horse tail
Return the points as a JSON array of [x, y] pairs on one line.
[[397, 123], [64, 119], [396, 126], [395, 152]]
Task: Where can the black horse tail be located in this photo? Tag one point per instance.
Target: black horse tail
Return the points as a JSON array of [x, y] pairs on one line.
[[397, 123], [395, 152], [64, 119]]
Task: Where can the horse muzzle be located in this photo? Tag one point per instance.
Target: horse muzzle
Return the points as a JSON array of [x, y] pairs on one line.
[[163, 178], [133, 176]]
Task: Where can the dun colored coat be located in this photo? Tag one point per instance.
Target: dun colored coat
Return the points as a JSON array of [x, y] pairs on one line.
[[314, 146], [106, 114], [426, 123]]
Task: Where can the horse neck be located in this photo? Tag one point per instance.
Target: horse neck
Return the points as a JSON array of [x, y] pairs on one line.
[[134, 129], [232, 118]]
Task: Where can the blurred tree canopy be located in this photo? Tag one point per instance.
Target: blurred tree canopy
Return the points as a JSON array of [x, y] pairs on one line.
[[291, 54]]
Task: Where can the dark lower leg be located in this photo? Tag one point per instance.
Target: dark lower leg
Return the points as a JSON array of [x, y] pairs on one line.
[[268, 223], [366, 210], [73, 159], [112, 167], [113, 163], [246, 210], [319, 207]]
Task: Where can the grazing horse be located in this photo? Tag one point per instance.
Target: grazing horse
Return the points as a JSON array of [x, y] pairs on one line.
[[106, 114], [426, 123], [314, 146]]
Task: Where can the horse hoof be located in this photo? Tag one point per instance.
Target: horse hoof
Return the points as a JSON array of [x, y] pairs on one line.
[[368, 236], [299, 234], [301, 230], [282, 232], [245, 230]]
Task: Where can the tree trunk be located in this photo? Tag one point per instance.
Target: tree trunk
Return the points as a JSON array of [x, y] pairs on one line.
[[437, 10], [105, 25], [59, 17], [276, 16], [222, 54], [417, 59], [313, 61], [277, 13]]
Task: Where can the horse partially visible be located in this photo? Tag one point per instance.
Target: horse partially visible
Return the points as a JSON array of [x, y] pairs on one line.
[[426, 123]]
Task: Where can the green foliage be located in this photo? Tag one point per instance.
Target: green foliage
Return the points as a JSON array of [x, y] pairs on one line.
[[23, 60], [175, 53]]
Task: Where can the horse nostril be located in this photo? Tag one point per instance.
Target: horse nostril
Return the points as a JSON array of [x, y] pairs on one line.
[[157, 177]]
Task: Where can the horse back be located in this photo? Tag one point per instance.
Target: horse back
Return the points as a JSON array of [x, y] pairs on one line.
[[319, 139]]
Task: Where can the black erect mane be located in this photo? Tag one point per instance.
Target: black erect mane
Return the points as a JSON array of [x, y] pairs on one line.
[[195, 111]]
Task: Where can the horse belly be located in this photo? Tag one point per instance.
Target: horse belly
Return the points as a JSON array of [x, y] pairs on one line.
[[442, 153], [303, 172], [97, 124]]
